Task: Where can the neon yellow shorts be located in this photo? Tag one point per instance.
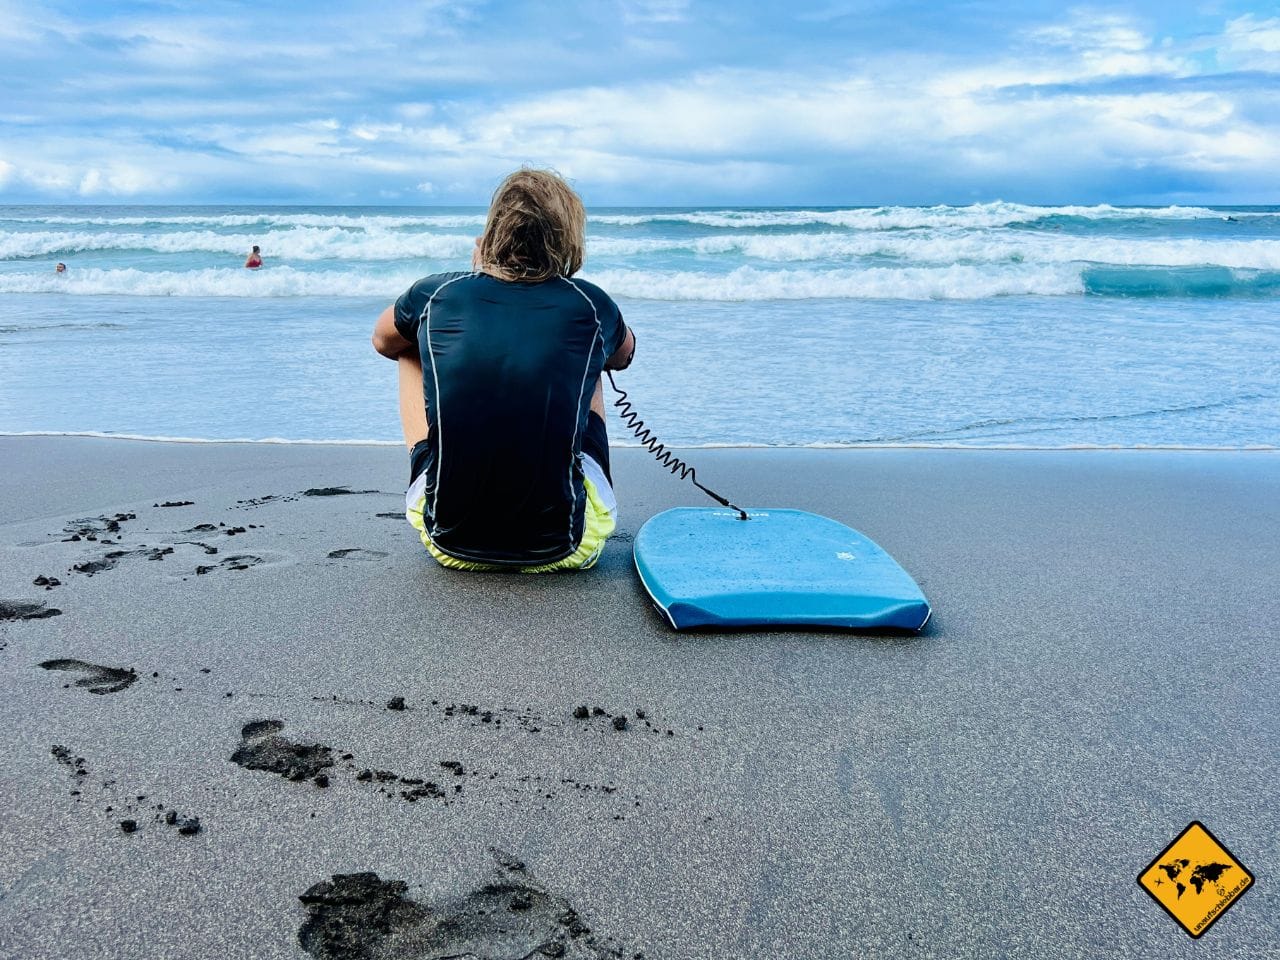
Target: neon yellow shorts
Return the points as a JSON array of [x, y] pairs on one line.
[[600, 521]]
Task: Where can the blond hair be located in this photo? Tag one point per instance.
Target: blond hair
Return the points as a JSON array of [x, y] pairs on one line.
[[536, 228]]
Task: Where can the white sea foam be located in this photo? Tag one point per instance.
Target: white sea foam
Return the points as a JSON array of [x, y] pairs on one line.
[[956, 282], [960, 282], [932, 247], [153, 438], [298, 243], [995, 214], [214, 220], [947, 247], [213, 282]]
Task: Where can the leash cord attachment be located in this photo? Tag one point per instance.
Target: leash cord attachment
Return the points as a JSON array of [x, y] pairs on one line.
[[659, 450]]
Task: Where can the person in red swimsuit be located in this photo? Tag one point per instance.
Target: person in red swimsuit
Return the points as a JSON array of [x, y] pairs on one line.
[[254, 260]]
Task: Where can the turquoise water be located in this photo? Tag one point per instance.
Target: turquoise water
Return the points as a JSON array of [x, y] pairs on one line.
[[990, 325]]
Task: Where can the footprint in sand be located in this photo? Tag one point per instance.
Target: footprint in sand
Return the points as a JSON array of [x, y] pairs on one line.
[[109, 559], [22, 610], [240, 561], [96, 679], [342, 491], [91, 528], [356, 553], [511, 917]]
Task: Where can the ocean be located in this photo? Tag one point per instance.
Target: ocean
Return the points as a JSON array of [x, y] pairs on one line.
[[992, 325]]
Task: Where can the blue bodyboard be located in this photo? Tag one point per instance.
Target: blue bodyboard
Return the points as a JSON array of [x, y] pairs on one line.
[[710, 568]]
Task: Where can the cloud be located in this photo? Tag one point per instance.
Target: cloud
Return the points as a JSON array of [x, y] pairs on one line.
[[656, 102], [1087, 31], [1251, 44], [654, 11]]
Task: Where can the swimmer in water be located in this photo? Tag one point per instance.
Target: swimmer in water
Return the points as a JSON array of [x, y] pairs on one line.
[[60, 268], [254, 260]]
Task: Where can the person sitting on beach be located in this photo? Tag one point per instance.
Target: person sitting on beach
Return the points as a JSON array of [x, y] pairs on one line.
[[509, 458], [254, 260]]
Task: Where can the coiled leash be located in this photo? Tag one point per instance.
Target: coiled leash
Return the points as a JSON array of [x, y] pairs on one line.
[[659, 450]]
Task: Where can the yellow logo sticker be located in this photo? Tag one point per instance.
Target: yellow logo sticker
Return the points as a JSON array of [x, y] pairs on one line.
[[1196, 879]]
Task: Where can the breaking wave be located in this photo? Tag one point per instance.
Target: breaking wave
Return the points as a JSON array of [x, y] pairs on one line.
[[299, 243], [332, 243], [994, 214], [212, 282], [951, 282]]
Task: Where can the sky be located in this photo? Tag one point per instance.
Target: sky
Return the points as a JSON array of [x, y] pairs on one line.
[[640, 102]]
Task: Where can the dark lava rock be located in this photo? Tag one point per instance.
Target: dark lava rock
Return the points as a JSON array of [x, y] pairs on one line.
[[395, 703], [619, 722], [260, 728], [175, 503], [68, 759], [97, 679], [189, 827], [20, 610], [128, 826], [262, 749], [333, 492], [426, 790], [581, 713], [47, 582]]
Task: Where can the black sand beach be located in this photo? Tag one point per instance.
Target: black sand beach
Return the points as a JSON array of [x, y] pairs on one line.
[[263, 723]]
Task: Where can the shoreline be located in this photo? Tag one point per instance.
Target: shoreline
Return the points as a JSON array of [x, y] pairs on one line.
[[623, 445], [1101, 669]]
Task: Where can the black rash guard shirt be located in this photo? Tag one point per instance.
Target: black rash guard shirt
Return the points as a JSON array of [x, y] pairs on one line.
[[508, 370]]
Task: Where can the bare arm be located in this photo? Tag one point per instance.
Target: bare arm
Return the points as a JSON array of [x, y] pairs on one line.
[[621, 358], [387, 340]]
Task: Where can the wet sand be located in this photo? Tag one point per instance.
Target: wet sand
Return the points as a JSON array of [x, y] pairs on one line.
[[263, 723]]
